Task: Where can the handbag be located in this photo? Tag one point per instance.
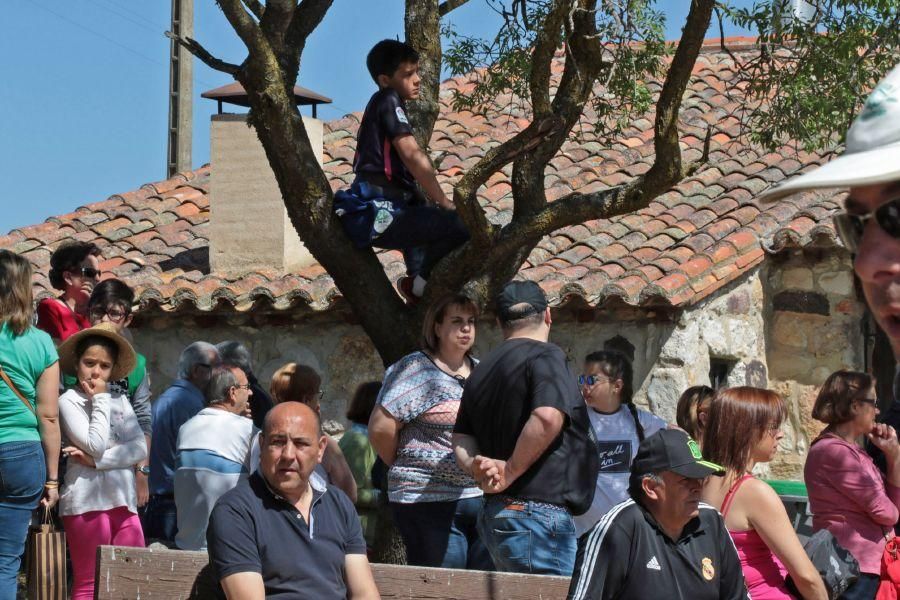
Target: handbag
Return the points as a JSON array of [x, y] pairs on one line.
[[45, 560], [837, 567], [889, 584]]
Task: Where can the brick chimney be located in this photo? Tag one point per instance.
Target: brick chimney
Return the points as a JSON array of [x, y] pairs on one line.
[[249, 226]]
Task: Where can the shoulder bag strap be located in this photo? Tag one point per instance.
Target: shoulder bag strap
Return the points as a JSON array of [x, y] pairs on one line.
[[15, 390]]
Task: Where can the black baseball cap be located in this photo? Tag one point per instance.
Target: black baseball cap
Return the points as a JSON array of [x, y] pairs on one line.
[[673, 450], [517, 293]]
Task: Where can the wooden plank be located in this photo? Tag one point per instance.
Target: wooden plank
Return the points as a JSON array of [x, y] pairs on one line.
[[128, 573], [396, 581]]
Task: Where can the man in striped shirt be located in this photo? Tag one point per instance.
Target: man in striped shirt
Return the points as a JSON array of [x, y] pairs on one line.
[[662, 542]]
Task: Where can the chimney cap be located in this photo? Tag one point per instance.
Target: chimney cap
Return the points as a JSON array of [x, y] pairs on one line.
[[234, 93]]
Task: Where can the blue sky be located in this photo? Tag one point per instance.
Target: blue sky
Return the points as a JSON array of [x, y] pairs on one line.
[[84, 89]]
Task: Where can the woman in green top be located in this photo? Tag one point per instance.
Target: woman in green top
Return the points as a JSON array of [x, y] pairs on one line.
[[29, 425], [361, 456]]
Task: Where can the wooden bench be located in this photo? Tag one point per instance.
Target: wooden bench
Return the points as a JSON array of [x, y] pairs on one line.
[[129, 573]]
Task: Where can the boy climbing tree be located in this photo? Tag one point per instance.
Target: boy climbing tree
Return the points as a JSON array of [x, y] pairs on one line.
[[385, 207]]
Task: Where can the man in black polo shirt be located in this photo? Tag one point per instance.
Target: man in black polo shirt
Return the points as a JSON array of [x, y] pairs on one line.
[[662, 542], [283, 533], [524, 434]]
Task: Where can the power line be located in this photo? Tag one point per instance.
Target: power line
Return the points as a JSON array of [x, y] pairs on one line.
[[113, 10], [155, 25], [98, 34], [141, 55]]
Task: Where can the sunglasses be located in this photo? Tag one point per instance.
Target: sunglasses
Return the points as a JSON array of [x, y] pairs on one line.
[[850, 227], [89, 272], [592, 379]]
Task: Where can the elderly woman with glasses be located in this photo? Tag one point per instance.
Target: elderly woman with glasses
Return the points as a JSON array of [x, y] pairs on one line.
[[848, 495], [74, 270]]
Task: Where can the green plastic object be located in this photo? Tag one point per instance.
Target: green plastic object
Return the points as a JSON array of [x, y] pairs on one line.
[[788, 489]]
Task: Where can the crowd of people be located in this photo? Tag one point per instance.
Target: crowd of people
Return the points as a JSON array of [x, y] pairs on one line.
[[508, 462]]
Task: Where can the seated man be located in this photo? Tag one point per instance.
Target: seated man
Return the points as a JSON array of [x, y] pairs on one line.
[[216, 449], [283, 533], [661, 542]]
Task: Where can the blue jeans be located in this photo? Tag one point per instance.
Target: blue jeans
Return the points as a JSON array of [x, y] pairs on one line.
[[527, 538], [23, 472], [160, 519], [442, 534], [426, 234]]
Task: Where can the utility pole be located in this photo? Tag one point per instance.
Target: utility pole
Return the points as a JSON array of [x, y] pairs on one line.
[[181, 88]]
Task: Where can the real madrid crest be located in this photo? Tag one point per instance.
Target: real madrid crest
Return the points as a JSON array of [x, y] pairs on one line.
[[709, 571]]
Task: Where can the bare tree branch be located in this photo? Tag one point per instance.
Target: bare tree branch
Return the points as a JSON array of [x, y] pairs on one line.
[[573, 209], [256, 7], [464, 194], [448, 6], [276, 22], [244, 25], [542, 57], [422, 25], [306, 18], [194, 47], [667, 167]]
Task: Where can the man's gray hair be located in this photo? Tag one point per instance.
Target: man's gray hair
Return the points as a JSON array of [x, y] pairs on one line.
[[636, 483], [221, 380], [196, 354], [237, 354]]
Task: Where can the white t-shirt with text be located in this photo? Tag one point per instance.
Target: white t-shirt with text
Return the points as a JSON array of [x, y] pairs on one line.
[[617, 444]]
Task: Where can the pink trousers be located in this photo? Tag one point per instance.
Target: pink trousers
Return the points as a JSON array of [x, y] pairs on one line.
[[85, 532]]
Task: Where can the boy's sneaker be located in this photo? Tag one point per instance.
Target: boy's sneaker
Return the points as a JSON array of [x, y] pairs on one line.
[[405, 287]]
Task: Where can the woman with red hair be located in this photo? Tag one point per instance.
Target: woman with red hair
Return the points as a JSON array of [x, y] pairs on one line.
[[742, 430]]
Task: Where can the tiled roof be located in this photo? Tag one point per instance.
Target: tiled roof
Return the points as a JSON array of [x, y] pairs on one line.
[[686, 244]]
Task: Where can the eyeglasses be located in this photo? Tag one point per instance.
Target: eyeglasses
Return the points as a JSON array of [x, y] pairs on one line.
[[246, 386], [870, 401], [592, 379], [115, 313], [850, 227], [89, 272]]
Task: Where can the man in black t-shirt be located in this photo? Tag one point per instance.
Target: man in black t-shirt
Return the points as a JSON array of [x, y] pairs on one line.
[[523, 433], [663, 542], [390, 161]]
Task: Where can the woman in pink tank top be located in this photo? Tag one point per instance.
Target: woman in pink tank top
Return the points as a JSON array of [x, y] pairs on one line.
[[743, 428]]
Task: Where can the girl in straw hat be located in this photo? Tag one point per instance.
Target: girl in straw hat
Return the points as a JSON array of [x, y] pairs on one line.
[[103, 442]]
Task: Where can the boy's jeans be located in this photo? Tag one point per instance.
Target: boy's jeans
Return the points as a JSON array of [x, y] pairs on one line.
[[528, 538], [426, 234]]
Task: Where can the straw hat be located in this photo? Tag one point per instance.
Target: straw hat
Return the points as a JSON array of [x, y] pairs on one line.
[[127, 357]]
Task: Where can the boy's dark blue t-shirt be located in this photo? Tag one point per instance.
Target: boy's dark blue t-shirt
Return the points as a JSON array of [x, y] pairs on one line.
[[385, 119]]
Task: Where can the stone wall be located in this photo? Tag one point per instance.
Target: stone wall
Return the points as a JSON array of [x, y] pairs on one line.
[[766, 330], [814, 328]]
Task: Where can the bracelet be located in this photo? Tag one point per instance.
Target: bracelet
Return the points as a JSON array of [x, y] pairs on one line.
[[51, 485]]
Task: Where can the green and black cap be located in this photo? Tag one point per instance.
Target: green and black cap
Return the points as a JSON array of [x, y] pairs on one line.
[[673, 450]]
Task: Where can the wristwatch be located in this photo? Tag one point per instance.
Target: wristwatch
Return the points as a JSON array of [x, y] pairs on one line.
[[144, 469]]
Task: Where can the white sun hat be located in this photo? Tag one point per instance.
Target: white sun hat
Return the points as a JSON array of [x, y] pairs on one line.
[[872, 152]]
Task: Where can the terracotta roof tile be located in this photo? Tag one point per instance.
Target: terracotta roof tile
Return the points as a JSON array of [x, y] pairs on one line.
[[687, 243]]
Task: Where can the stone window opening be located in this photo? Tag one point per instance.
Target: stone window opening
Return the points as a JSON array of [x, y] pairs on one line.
[[719, 370]]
